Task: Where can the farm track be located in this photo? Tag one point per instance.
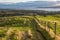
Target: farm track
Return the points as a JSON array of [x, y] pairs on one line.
[[40, 35]]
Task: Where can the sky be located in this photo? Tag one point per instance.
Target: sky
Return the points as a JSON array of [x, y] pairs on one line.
[[15, 1]]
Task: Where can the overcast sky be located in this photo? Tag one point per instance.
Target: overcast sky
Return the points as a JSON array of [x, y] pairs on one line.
[[14, 1]]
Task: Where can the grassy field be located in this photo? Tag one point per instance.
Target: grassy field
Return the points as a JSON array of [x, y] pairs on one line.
[[22, 27], [51, 19], [17, 28]]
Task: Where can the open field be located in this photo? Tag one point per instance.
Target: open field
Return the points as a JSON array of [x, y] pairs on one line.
[[17, 28], [24, 27], [21, 25]]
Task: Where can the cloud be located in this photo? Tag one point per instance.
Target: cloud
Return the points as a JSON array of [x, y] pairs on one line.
[[14, 1], [58, 0], [49, 0]]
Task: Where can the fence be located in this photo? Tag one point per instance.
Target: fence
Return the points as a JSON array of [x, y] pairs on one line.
[[49, 26]]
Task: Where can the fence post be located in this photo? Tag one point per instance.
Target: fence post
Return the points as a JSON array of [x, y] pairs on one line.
[[55, 29], [45, 24], [48, 25]]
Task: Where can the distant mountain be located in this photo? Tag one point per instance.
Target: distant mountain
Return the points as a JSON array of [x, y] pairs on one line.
[[31, 4]]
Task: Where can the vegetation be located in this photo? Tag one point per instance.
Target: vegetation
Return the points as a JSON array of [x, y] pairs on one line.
[[17, 28], [50, 20], [44, 32], [16, 25]]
